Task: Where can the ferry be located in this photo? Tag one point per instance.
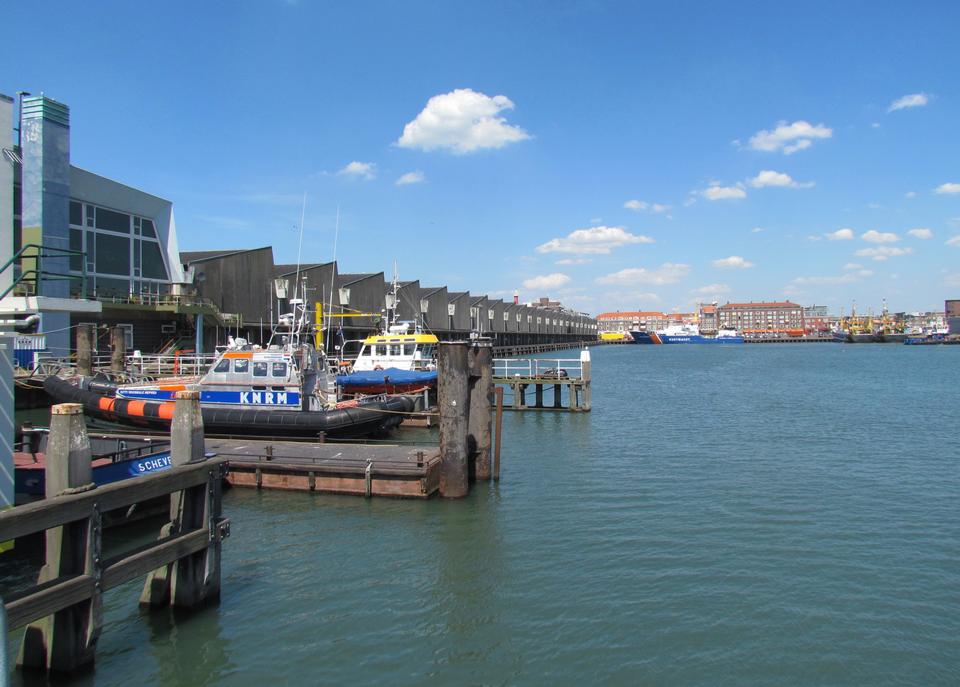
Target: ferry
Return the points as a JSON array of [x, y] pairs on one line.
[[285, 388], [400, 360], [686, 334]]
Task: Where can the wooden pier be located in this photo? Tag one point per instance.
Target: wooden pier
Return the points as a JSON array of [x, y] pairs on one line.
[[553, 378], [362, 470]]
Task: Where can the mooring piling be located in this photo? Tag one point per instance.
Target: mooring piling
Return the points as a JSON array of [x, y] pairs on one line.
[[84, 350], [118, 352], [480, 363], [66, 640], [453, 393]]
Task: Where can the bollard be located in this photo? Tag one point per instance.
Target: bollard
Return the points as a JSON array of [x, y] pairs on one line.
[[480, 361], [84, 350], [585, 377], [454, 404], [118, 353], [499, 435], [66, 641], [195, 579]]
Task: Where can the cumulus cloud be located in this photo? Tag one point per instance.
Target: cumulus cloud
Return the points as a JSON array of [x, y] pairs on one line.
[[910, 194], [840, 235], [360, 170], [463, 121], [874, 236], [410, 178], [734, 262], [853, 266], [595, 240], [921, 233], [789, 138], [881, 253], [912, 100], [642, 205], [848, 278], [770, 178], [574, 261], [757, 230], [718, 192], [546, 281], [711, 289], [948, 188], [667, 273], [955, 241]]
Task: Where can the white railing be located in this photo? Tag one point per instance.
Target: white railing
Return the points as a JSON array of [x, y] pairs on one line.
[[538, 367], [168, 364]]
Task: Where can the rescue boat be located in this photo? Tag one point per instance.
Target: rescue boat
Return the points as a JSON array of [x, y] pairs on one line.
[[401, 360]]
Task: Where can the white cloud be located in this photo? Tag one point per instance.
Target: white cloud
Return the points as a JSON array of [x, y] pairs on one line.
[[717, 192], [848, 278], [573, 261], [912, 100], [734, 262], [667, 273], [360, 170], [546, 281], [910, 194], [840, 235], [770, 178], [463, 121], [641, 205], [711, 289], [595, 240], [921, 233], [853, 266], [789, 138], [410, 178], [874, 236], [757, 230], [881, 253], [955, 241], [948, 188]]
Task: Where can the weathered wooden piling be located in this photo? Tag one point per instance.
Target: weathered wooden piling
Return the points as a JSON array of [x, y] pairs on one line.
[[66, 641], [585, 378], [84, 350], [498, 435], [118, 351], [454, 404], [480, 362], [194, 579]]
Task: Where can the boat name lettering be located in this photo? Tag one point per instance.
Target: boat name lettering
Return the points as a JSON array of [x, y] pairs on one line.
[[264, 398], [155, 464]]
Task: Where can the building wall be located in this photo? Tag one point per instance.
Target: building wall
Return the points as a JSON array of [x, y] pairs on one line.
[[761, 317], [6, 188], [239, 282], [435, 298]]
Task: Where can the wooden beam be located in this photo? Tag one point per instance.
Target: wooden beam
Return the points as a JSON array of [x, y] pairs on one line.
[[149, 557], [48, 598]]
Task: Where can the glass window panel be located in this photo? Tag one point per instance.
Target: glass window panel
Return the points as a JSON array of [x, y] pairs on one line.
[[153, 267], [259, 369], [223, 366], [136, 252], [241, 366], [113, 287], [394, 350], [90, 215], [408, 349], [279, 370], [76, 213], [113, 253], [148, 228], [113, 221], [76, 243]]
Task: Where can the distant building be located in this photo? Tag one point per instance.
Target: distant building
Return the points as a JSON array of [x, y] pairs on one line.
[[952, 311], [778, 318], [708, 318], [815, 311], [626, 321]]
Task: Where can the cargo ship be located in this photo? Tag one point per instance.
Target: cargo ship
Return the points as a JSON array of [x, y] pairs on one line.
[[686, 334]]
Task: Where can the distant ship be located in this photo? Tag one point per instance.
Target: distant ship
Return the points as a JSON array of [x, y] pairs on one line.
[[686, 334]]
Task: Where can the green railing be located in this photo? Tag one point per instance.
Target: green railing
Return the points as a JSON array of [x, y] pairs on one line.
[[38, 274]]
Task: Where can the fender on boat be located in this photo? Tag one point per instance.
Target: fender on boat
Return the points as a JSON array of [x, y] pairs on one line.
[[366, 418]]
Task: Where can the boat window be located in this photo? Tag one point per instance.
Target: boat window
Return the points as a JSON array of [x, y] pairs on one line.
[[259, 369], [367, 350], [382, 349], [428, 351], [279, 370], [408, 349], [241, 365], [395, 349], [223, 366]]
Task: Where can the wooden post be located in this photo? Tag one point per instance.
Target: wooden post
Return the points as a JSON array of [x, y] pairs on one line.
[[585, 376], [118, 353], [538, 395], [517, 395], [558, 394], [84, 351], [454, 403], [66, 641], [499, 432], [194, 579], [481, 402]]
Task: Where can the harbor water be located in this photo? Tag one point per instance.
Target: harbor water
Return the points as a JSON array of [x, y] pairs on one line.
[[725, 515]]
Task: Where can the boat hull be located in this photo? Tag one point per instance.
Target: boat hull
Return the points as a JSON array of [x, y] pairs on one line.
[[373, 417], [661, 338], [389, 381]]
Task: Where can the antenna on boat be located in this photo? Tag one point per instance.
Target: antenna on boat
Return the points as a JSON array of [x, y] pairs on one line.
[[333, 274], [303, 212]]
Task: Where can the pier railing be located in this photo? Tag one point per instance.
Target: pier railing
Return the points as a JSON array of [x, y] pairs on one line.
[[63, 610], [564, 368]]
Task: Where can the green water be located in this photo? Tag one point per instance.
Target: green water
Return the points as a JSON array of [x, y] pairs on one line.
[[725, 515]]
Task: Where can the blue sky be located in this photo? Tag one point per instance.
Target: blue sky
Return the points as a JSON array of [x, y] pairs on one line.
[[772, 151]]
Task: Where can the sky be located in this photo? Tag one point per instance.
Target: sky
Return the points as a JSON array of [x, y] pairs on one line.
[[615, 156]]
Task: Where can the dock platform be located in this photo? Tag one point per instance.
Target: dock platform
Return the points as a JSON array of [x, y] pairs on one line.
[[359, 469]]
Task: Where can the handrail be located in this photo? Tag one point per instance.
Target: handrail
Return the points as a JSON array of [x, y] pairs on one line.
[[537, 367], [39, 273]]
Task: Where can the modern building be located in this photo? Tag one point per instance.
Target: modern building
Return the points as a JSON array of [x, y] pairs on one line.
[[765, 318], [630, 320]]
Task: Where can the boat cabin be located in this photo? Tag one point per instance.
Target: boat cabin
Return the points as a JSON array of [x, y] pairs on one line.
[[401, 351]]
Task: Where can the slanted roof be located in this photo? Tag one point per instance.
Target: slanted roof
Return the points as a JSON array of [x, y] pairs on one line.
[[193, 257]]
